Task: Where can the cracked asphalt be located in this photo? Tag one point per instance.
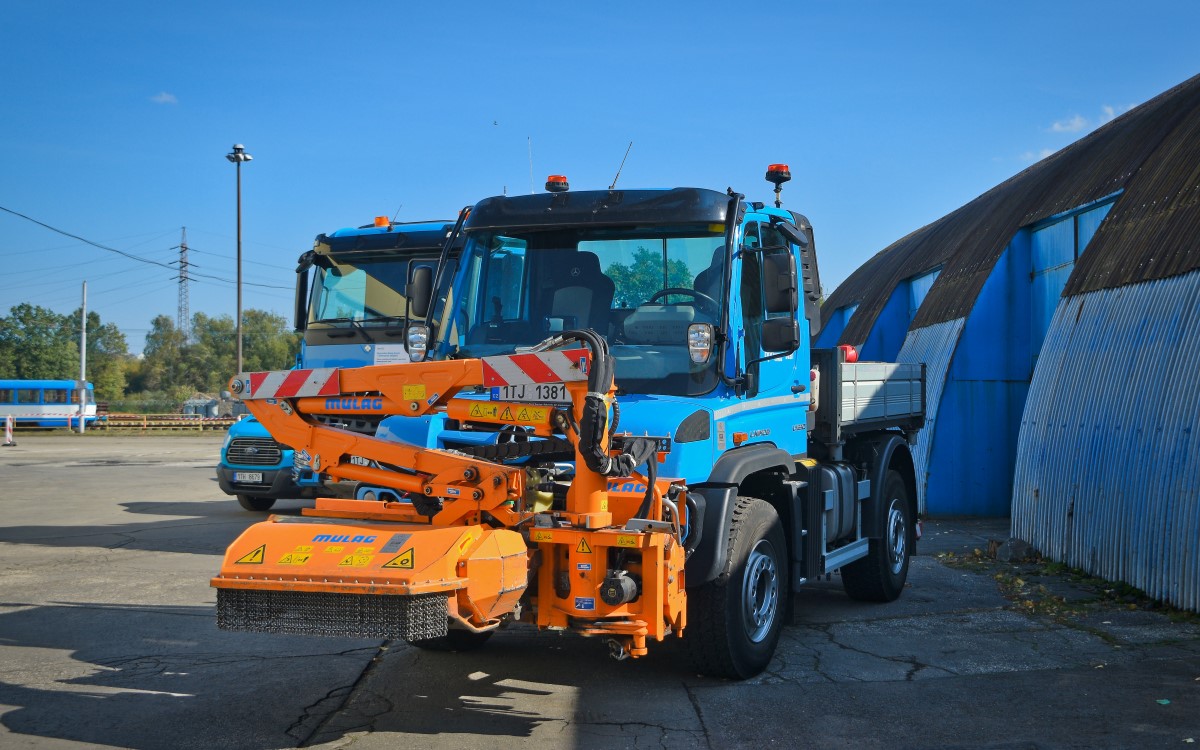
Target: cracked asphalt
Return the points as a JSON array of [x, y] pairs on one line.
[[108, 639]]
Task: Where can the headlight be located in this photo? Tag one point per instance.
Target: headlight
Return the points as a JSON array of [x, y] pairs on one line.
[[700, 340], [418, 341]]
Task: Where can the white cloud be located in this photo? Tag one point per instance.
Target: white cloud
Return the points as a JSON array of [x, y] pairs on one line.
[[164, 97], [1109, 113], [1032, 156], [1073, 125]]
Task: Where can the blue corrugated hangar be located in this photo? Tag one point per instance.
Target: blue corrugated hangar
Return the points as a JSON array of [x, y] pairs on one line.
[[1058, 315]]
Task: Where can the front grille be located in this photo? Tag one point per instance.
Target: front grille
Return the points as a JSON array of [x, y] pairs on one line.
[[337, 615], [253, 452]]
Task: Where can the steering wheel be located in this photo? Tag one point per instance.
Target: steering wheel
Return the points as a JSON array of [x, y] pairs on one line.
[[699, 299]]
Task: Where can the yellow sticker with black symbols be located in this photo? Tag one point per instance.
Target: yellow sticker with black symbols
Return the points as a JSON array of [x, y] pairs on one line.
[[515, 413], [625, 540], [355, 561], [541, 536], [405, 560], [253, 558]]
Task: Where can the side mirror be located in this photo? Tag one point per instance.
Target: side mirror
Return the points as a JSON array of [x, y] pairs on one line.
[[780, 335], [300, 310], [793, 234], [420, 291], [780, 282]]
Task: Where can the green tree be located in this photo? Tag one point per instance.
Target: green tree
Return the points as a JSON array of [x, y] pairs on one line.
[[208, 361], [212, 355], [163, 365], [637, 282], [36, 342], [268, 342], [107, 353]]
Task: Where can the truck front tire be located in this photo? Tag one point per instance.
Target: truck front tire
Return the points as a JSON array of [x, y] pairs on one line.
[[256, 504], [880, 576], [734, 622]]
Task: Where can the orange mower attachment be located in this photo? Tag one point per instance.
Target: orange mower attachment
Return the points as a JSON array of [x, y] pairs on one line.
[[291, 575]]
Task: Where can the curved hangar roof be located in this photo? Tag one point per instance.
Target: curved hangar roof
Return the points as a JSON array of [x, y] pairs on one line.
[[1151, 154]]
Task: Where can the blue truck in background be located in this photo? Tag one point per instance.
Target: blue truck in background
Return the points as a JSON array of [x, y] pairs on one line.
[[352, 309]]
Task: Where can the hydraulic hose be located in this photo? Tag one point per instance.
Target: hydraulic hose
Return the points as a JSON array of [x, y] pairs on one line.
[[594, 422]]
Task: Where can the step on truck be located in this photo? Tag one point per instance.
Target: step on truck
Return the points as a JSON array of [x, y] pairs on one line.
[[663, 455], [352, 309]]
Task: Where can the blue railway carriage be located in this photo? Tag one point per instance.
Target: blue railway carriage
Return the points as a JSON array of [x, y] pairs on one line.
[[45, 403]]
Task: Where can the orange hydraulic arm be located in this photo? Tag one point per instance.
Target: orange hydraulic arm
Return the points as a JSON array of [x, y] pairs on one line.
[[600, 570]]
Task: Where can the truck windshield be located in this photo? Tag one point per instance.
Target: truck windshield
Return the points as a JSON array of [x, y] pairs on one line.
[[641, 287], [363, 289]]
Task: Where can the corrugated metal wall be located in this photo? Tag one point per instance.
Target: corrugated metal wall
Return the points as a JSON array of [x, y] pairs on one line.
[[971, 458], [934, 345], [1107, 475]]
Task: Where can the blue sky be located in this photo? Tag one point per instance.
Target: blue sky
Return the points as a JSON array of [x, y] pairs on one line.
[[117, 117]]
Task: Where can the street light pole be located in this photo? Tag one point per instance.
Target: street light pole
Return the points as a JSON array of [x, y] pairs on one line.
[[237, 156]]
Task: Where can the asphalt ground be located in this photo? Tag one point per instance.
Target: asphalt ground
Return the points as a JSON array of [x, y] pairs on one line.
[[108, 638]]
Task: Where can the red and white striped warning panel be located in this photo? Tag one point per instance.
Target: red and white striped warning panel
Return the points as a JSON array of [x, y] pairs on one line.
[[543, 367], [292, 383]]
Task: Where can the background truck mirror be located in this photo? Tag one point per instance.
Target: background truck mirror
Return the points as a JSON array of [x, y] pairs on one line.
[[420, 290], [300, 311]]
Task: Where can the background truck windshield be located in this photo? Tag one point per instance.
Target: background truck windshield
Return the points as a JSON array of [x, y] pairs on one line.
[[640, 287], [363, 288]]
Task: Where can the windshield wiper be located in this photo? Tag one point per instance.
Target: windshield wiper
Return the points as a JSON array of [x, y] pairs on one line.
[[389, 330], [355, 325]]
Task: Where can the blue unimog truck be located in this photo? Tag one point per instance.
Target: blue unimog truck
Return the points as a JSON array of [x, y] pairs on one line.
[[585, 335]]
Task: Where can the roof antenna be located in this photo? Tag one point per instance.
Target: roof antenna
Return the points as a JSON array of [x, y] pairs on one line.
[[397, 213], [529, 140], [613, 186]]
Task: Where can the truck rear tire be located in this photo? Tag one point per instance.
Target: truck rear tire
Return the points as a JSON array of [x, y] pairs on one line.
[[734, 622], [880, 576], [257, 504]]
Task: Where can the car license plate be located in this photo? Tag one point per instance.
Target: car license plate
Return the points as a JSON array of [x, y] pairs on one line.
[[532, 393], [247, 476]]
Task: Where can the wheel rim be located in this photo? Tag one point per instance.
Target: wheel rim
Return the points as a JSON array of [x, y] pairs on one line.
[[897, 537], [760, 591]]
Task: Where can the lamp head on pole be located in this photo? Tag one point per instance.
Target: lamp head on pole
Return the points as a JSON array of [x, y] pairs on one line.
[[238, 154]]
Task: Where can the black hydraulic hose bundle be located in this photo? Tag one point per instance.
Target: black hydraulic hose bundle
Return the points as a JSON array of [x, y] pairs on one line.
[[594, 422]]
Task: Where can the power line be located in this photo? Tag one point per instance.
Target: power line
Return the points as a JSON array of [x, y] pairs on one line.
[[129, 255]]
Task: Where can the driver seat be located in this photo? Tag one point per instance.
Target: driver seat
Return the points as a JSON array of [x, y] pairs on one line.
[[581, 291], [708, 281]]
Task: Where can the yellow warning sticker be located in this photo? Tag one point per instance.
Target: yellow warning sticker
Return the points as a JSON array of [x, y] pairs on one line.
[[627, 541], [334, 549], [364, 550], [541, 536], [294, 558], [510, 412], [303, 549], [355, 561], [404, 560], [413, 392], [253, 558], [583, 547]]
